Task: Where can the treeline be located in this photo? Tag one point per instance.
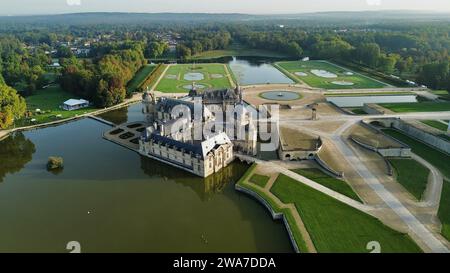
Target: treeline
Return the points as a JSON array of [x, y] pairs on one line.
[[23, 67], [197, 41], [12, 105], [419, 54], [103, 80]]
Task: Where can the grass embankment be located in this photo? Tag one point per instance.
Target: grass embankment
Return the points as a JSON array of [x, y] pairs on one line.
[[412, 175], [298, 237], [294, 68], [332, 183], [444, 210], [49, 100], [260, 180], [358, 111], [236, 51], [336, 227], [213, 76], [437, 158], [417, 107], [436, 124], [368, 94], [443, 94], [140, 77]]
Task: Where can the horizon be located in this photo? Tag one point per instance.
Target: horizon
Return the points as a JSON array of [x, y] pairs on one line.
[[412, 11], [250, 7]]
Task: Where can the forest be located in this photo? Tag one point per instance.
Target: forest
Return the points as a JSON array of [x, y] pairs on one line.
[[410, 46]]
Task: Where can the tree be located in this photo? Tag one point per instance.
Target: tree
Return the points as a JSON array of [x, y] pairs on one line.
[[435, 75], [15, 152], [12, 106], [369, 54], [387, 63], [183, 52], [294, 49]]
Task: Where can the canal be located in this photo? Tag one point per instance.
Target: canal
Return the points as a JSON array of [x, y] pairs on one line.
[[111, 199]]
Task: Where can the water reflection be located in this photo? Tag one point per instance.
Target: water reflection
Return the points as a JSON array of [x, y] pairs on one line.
[[15, 152], [248, 72], [205, 188], [130, 113]]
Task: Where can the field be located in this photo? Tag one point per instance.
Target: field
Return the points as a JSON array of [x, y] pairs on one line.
[[337, 227], [260, 180], [140, 77], [444, 210], [436, 124], [48, 100], [236, 51], [433, 156], [180, 77], [332, 183], [414, 181], [302, 72], [417, 107]]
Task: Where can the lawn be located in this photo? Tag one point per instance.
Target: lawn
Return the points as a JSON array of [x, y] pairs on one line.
[[336, 227], [436, 124], [437, 158], [358, 80], [412, 175], [237, 50], [298, 237], [332, 183], [260, 180], [443, 94], [140, 77], [213, 76], [358, 111], [417, 107], [444, 210], [48, 100]]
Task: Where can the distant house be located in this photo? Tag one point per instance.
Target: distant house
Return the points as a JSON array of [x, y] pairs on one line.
[[74, 104]]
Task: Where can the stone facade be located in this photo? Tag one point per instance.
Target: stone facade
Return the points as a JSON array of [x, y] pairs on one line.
[[174, 124]]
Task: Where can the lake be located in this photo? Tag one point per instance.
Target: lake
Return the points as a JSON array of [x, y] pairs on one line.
[[111, 199], [250, 71], [358, 101]]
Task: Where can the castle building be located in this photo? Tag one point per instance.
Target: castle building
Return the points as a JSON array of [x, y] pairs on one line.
[[200, 132]]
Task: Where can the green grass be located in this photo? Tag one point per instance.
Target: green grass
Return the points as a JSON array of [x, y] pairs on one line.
[[260, 180], [443, 94], [332, 183], [359, 81], [49, 100], [238, 50], [444, 137], [436, 124], [140, 77], [417, 107], [412, 175], [437, 158], [336, 227], [176, 85], [444, 210], [368, 94], [358, 111], [298, 237]]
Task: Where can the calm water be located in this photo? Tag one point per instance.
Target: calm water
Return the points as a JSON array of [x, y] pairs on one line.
[[359, 101], [249, 72], [111, 199]]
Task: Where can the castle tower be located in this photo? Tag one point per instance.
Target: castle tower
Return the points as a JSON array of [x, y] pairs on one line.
[[149, 104]]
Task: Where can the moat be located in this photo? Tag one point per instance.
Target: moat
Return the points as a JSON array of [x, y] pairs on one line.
[[111, 199]]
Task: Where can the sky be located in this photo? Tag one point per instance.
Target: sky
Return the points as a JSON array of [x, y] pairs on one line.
[[24, 7]]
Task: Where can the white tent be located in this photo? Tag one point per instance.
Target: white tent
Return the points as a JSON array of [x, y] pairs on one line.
[[73, 104]]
